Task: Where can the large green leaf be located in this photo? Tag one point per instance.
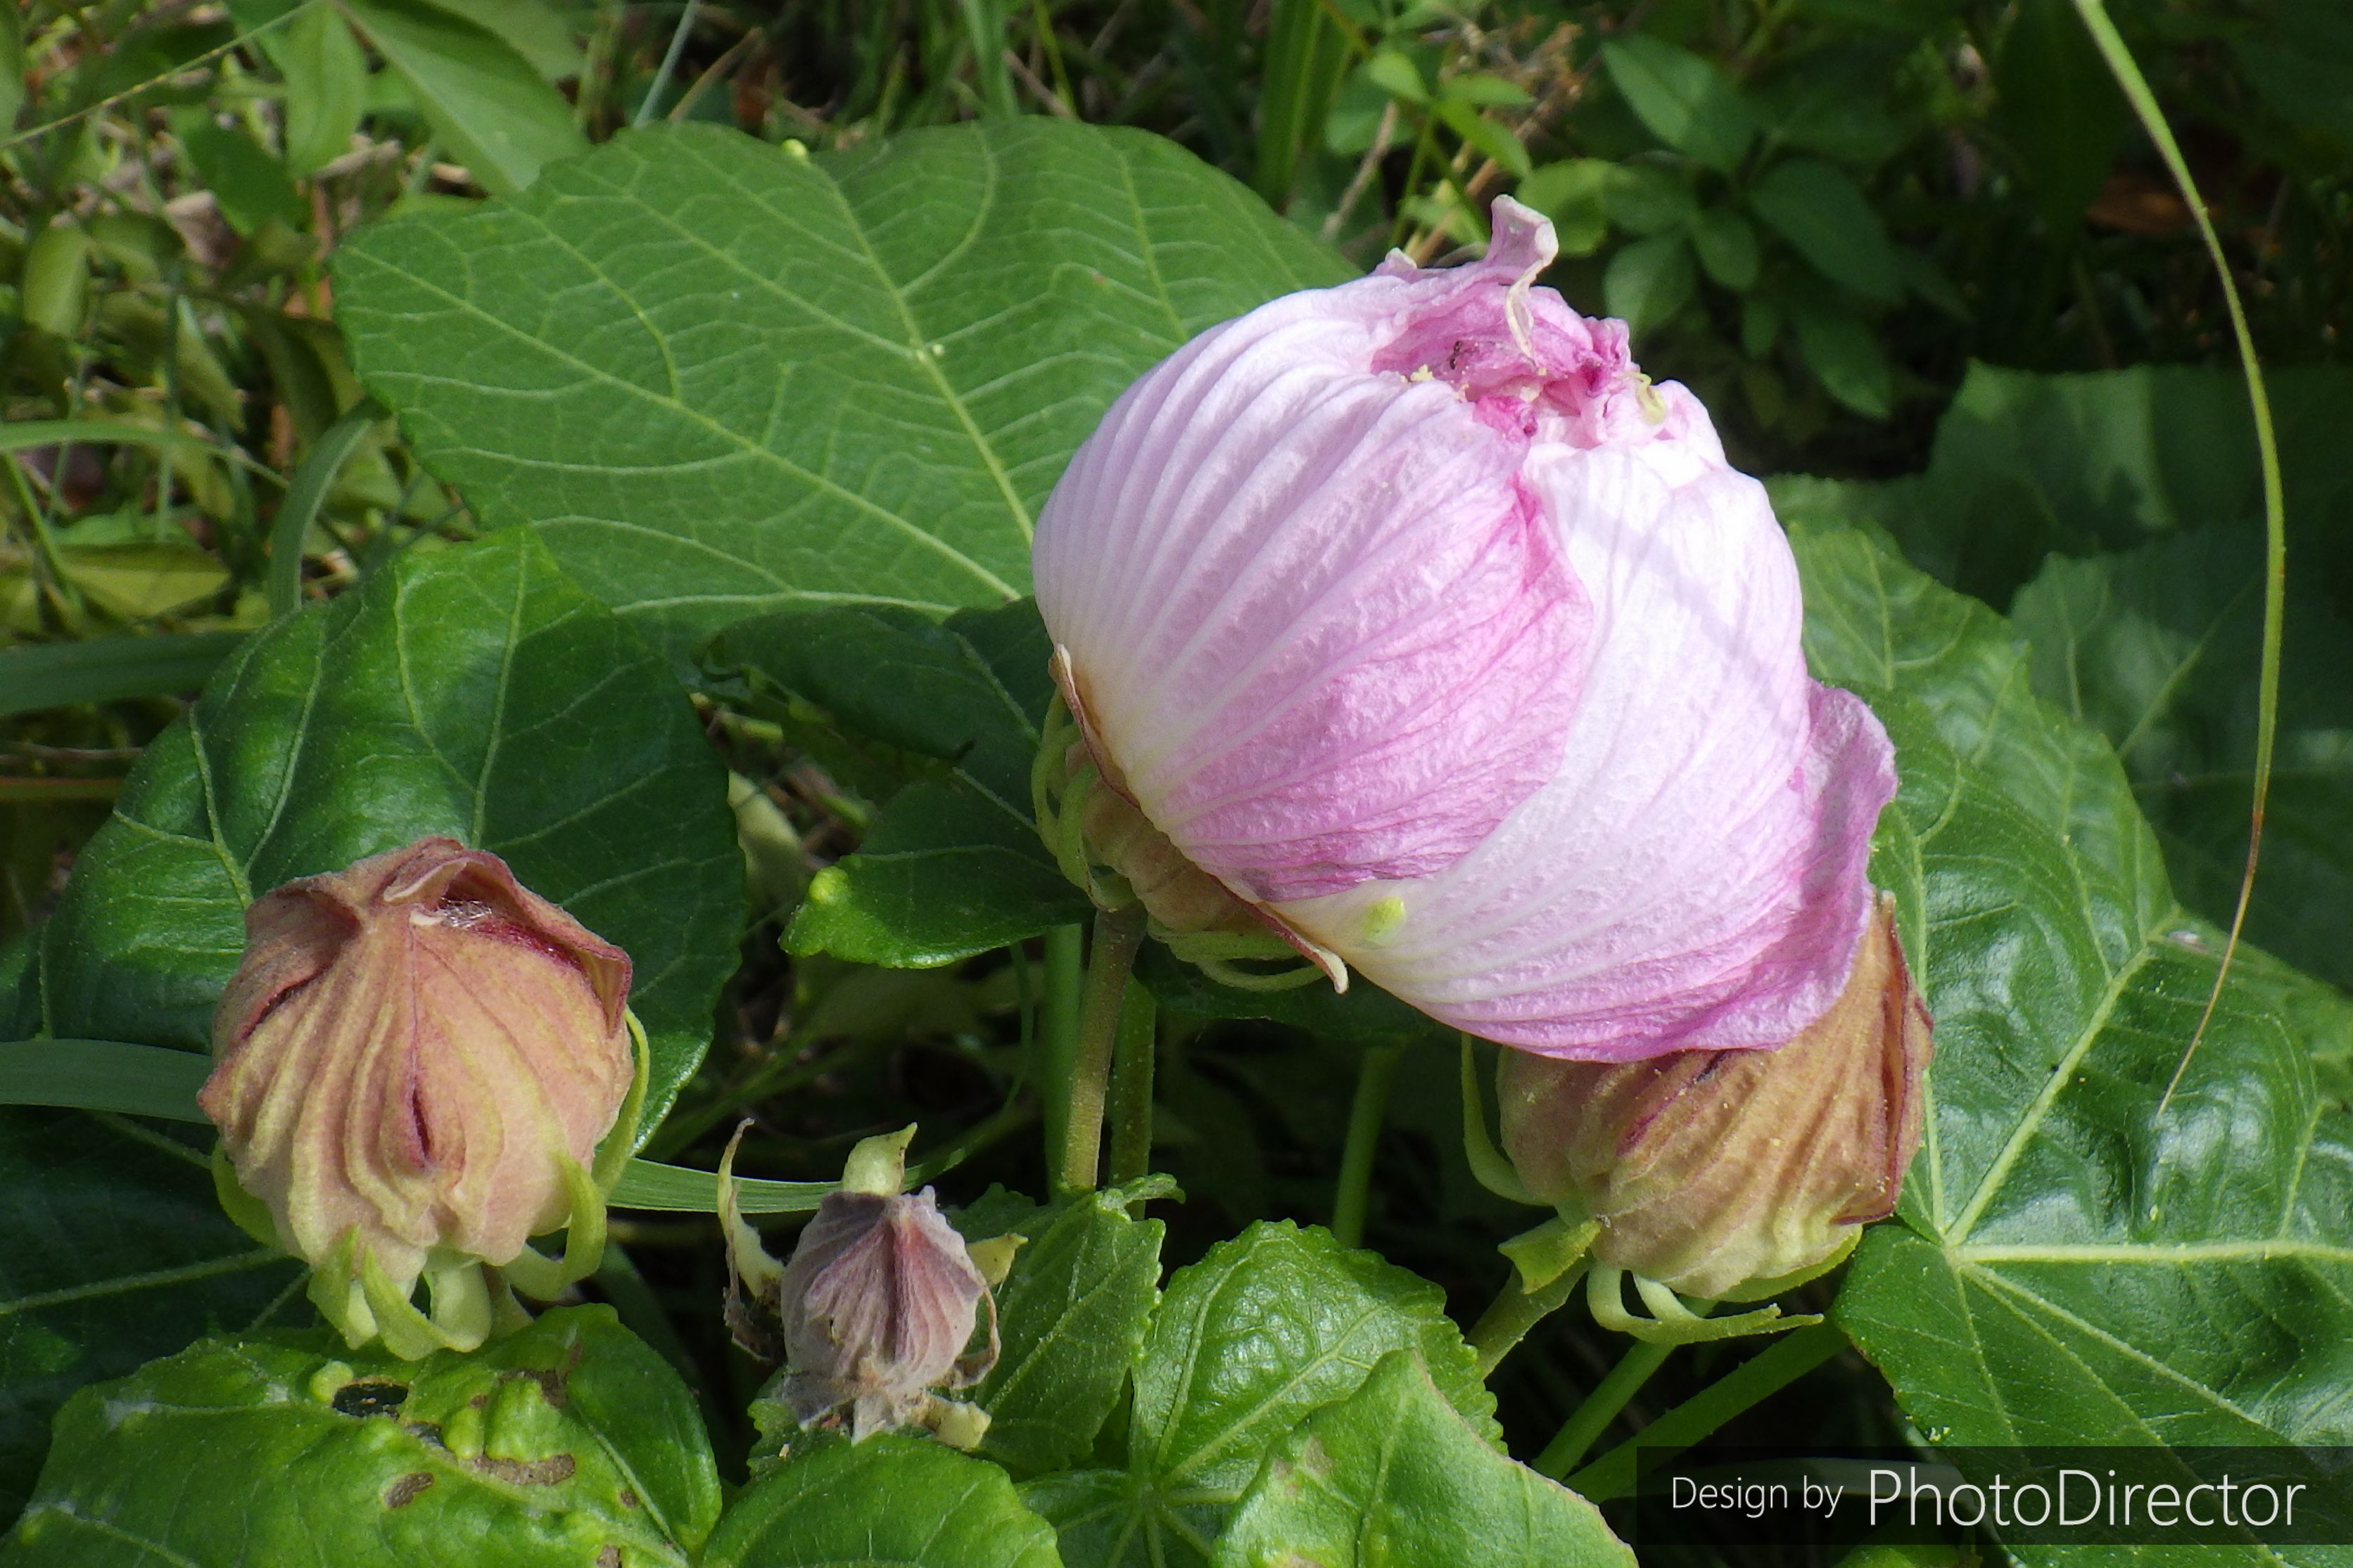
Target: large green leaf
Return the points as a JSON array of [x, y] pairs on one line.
[[1392, 1475], [2075, 1259], [2155, 648], [475, 692], [566, 1445], [889, 1502], [485, 101], [1248, 1342], [2024, 464], [724, 378], [115, 1251], [2159, 649], [1820, 210]]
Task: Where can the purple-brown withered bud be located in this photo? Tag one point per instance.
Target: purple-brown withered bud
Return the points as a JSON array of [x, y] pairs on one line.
[[876, 1305], [414, 1066], [1734, 1173]]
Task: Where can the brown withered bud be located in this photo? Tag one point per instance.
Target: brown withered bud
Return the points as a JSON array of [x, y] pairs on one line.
[[876, 1305], [413, 1065], [1721, 1174]]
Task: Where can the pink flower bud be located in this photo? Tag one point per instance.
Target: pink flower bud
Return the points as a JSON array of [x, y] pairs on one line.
[[1415, 616], [1721, 1173], [414, 1064]]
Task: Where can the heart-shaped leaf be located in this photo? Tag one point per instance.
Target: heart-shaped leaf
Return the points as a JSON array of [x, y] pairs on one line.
[[724, 378]]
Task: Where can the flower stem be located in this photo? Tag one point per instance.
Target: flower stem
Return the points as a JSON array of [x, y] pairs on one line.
[[1609, 1397], [1754, 1380], [1376, 1075], [1058, 1033], [1515, 1311], [1118, 934], [1131, 1085]]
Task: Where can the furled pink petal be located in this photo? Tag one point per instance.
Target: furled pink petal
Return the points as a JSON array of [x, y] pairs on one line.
[[1693, 874], [1314, 612], [1412, 613]]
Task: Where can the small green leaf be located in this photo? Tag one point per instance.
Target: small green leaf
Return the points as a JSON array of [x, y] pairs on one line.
[[1727, 246], [1486, 92], [485, 102], [251, 186], [1394, 73], [1072, 1314], [1646, 199], [535, 29], [1489, 139], [326, 86], [1844, 352], [1825, 216], [1649, 281], [1685, 100], [2058, 109], [971, 693], [1572, 194], [889, 1502], [566, 1440], [952, 866], [1391, 1475], [945, 872], [1760, 326]]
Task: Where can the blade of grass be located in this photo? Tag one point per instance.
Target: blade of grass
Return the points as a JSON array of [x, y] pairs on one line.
[[151, 1080], [1306, 56], [2136, 87], [986, 26], [669, 67], [103, 1075], [61, 675], [300, 507]]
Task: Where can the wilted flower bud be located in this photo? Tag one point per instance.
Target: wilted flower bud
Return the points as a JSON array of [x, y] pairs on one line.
[[414, 1066], [1417, 617], [1723, 1173], [876, 1304]]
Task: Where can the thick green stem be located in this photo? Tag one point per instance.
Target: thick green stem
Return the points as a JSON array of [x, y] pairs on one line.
[[1118, 934], [1376, 1075], [1058, 1033], [1754, 1380], [1591, 1419], [1131, 1085], [1515, 1311]]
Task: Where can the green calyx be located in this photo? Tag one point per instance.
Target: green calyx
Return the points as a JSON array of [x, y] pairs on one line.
[[1186, 909]]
